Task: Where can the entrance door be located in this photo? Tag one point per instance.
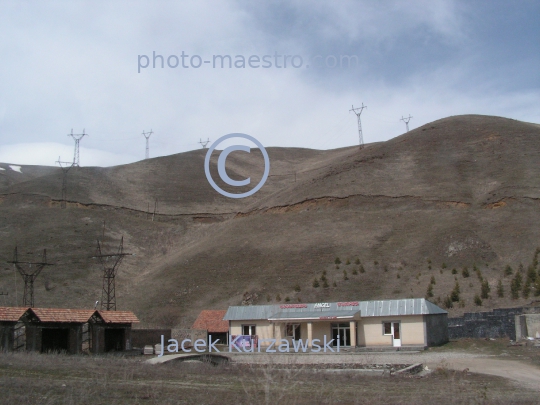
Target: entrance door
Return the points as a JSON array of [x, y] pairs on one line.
[[343, 330], [114, 340], [396, 334]]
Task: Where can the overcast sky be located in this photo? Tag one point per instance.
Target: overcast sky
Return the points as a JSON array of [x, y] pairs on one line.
[[75, 64]]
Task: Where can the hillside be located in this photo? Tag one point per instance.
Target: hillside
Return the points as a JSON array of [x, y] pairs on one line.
[[459, 192]]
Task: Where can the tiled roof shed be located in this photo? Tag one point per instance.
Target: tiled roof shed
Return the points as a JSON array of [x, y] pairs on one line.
[[62, 315], [11, 314], [212, 321], [118, 316]]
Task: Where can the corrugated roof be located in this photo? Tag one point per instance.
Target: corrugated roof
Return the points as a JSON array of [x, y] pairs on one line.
[[118, 316], [62, 315], [11, 314], [408, 306], [212, 321]]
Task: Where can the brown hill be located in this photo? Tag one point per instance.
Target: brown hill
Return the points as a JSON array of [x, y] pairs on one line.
[[461, 191]]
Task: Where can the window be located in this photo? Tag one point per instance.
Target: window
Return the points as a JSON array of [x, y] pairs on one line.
[[387, 328], [293, 330], [248, 330]]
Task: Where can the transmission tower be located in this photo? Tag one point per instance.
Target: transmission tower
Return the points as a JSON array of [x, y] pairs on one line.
[[358, 112], [204, 143], [406, 121], [65, 169], [110, 263], [77, 138], [147, 136], [29, 276]]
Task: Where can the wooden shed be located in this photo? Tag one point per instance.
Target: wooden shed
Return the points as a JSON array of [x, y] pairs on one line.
[[212, 321], [111, 330], [9, 317]]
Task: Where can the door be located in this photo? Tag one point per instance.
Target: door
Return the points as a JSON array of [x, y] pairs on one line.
[[396, 334], [341, 332]]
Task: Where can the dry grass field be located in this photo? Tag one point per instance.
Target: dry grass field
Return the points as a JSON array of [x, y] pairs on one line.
[[400, 215], [59, 379]]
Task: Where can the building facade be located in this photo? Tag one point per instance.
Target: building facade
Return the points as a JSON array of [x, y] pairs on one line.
[[405, 322]]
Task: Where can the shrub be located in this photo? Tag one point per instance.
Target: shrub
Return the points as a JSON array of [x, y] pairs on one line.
[[443, 266], [485, 289], [477, 300], [454, 271], [515, 286], [531, 274], [268, 298], [526, 289], [520, 268], [357, 261], [362, 270], [500, 289], [375, 262], [448, 302], [429, 261], [323, 277], [297, 288], [278, 297], [432, 281], [454, 295], [429, 292], [337, 261], [316, 283], [345, 275], [325, 283], [385, 268], [465, 272], [337, 266], [287, 299], [508, 270], [354, 271], [348, 261], [537, 287], [398, 276]]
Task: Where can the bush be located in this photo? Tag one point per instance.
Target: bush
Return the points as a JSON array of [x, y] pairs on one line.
[[325, 283], [278, 297], [357, 261], [334, 284], [354, 271], [432, 281], [537, 287], [287, 299], [429, 292], [443, 266], [500, 289], [454, 295], [337, 266], [526, 289], [448, 302], [337, 261], [362, 270], [508, 270], [531, 274], [316, 283], [348, 261], [465, 272], [345, 275], [323, 277], [454, 271], [477, 300], [375, 262], [385, 268], [485, 289], [297, 288], [515, 286], [268, 298]]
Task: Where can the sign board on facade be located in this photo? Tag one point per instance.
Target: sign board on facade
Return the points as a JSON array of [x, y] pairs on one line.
[[322, 305]]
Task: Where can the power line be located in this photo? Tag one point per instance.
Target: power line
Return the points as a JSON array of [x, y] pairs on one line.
[[204, 143], [358, 112], [147, 136], [29, 276], [77, 138], [406, 121], [65, 170]]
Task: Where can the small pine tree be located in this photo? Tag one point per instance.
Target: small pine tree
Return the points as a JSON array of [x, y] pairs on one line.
[[287, 299], [345, 275], [432, 281], [478, 273], [348, 262], [362, 270], [477, 300], [454, 295], [465, 272], [278, 297], [325, 283], [520, 268], [443, 266], [334, 284], [485, 289], [537, 287], [531, 274], [337, 261], [323, 277], [357, 261], [429, 292], [448, 303], [316, 283], [454, 271], [337, 266], [500, 289], [508, 270], [515, 286], [297, 288], [526, 289], [354, 271]]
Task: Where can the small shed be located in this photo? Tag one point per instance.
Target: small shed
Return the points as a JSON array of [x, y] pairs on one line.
[[9, 317], [111, 330], [212, 321]]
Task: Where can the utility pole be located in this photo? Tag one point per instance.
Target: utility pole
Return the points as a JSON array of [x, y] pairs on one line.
[[110, 264], [358, 112], [65, 169], [406, 121], [29, 276], [204, 143], [77, 138], [147, 136]]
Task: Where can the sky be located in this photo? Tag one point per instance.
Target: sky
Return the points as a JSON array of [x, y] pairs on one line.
[[89, 65]]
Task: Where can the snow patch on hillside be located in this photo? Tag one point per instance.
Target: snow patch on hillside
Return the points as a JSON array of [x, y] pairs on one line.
[[15, 168]]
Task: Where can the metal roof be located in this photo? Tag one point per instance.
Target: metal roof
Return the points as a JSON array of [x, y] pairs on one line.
[[284, 315], [408, 306]]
